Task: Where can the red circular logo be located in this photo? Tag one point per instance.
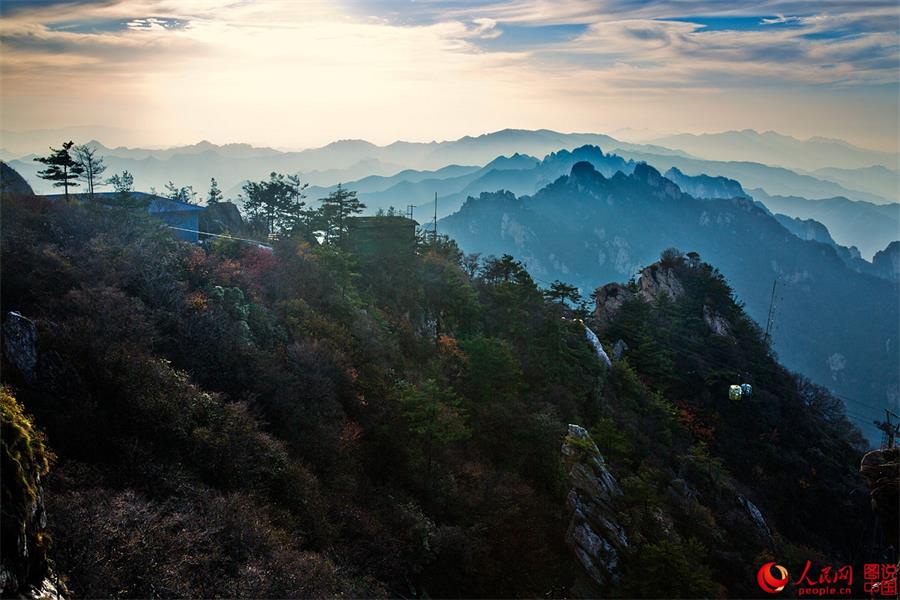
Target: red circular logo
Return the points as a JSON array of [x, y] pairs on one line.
[[770, 583]]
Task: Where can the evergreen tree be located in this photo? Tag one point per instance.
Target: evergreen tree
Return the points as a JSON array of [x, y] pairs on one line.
[[122, 184], [61, 169], [215, 194], [568, 296], [92, 166], [276, 204], [563, 292], [337, 208], [180, 194], [436, 420]]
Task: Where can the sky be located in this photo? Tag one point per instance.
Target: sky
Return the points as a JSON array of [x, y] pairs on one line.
[[302, 73]]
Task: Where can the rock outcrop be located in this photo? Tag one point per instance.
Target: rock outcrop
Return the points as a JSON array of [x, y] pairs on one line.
[[706, 186], [715, 321], [608, 300], [221, 217], [652, 282], [20, 344], [594, 535], [24, 458], [887, 262], [881, 471], [656, 280]]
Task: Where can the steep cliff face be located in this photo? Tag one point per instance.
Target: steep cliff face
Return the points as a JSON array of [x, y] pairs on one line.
[[651, 282], [594, 535], [881, 471], [887, 262], [706, 186], [24, 564], [25, 459]]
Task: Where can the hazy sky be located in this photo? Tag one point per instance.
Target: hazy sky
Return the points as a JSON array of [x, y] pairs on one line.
[[300, 73]]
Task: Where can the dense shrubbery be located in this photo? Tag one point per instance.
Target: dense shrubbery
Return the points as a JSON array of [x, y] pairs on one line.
[[692, 452], [231, 421], [395, 425]]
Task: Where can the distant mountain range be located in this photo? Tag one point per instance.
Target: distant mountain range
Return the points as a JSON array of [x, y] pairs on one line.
[[350, 161], [776, 149], [878, 180], [833, 324], [870, 227]]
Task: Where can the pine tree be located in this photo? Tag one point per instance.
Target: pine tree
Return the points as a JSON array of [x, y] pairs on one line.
[[180, 194], [61, 169], [122, 184], [276, 204], [92, 166], [215, 194], [337, 209]]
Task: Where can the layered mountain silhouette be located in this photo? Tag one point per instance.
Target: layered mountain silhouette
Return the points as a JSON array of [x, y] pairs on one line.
[[870, 227], [833, 324], [348, 161], [776, 149]]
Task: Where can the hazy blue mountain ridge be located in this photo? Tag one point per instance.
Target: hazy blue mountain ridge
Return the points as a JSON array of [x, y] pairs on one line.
[[869, 227], [588, 229], [776, 149]]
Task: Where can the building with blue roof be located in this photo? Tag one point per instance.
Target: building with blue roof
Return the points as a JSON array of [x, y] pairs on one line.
[[183, 217]]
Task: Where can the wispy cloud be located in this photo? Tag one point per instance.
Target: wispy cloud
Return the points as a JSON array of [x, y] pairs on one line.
[[384, 63]]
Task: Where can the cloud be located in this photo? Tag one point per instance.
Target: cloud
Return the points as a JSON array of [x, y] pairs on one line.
[[193, 66], [780, 20]]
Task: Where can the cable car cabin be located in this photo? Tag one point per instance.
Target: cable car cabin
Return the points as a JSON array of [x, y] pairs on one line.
[[746, 390], [735, 392]]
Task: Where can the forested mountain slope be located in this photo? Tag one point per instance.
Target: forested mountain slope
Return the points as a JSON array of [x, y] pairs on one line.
[[835, 325], [314, 421]]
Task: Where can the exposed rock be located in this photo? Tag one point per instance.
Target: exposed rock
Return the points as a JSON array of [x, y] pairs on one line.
[[887, 262], [221, 217], [649, 175], [653, 281], [594, 535], [20, 344], [608, 300], [715, 321], [756, 516], [706, 186], [598, 347], [23, 541], [656, 280], [619, 349], [881, 471]]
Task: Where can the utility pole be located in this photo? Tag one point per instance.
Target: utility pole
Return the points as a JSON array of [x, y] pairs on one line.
[[409, 211], [889, 431], [770, 319], [435, 219]]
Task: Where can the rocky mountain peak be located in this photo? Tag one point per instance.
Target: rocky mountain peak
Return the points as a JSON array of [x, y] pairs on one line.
[[656, 280], [583, 169]]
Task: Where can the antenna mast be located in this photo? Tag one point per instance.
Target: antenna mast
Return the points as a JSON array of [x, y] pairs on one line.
[[771, 317], [435, 218], [889, 430]]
